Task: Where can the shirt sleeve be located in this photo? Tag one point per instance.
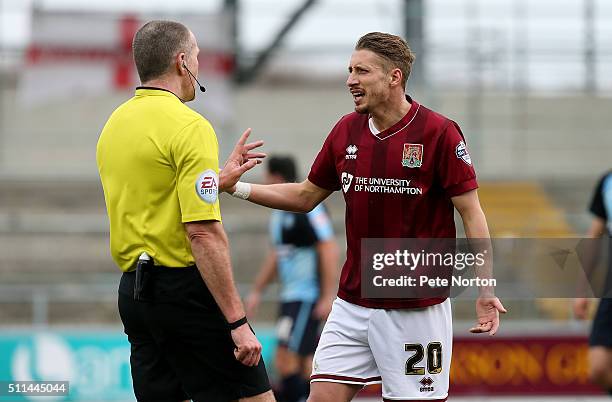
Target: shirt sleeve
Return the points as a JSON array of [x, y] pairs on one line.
[[455, 170], [323, 172], [597, 206], [321, 223], [194, 152]]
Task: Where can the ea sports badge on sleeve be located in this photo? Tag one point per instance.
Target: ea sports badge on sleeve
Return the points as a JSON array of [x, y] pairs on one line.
[[207, 186], [412, 156]]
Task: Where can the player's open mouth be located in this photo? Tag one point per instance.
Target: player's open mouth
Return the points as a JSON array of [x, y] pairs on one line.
[[357, 95]]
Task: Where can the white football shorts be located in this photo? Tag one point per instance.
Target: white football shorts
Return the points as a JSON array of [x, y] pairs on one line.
[[408, 350]]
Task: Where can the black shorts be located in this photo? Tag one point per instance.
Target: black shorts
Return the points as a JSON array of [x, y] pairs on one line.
[[297, 329], [601, 334], [181, 347]]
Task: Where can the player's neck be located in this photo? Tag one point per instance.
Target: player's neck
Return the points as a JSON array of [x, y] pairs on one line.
[[390, 113]]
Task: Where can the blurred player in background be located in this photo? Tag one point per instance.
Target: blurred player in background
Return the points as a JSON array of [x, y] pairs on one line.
[[600, 341], [422, 169], [158, 162], [304, 257]]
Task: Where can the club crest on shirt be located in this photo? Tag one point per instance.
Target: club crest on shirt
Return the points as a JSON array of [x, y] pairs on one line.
[[347, 179], [462, 153], [207, 186], [412, 156]]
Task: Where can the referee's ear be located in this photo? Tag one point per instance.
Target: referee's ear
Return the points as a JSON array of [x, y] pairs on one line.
[[180, 64]]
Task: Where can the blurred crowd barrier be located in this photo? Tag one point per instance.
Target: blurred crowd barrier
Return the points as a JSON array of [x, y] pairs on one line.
[[96, 363]]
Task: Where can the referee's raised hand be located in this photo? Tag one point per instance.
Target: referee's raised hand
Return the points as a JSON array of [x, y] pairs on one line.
[[248, 348]]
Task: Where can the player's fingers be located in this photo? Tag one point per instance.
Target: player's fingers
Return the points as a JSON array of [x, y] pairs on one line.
[[252, 145], [248, 165], [477, 330], [494, 326], [499, 306], [484, 327], [254, 155], [244, 137]]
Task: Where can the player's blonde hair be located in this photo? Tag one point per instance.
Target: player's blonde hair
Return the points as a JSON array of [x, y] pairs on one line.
[[392, 48]]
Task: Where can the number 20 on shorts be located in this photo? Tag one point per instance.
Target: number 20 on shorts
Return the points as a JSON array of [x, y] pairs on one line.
[[434, 358]]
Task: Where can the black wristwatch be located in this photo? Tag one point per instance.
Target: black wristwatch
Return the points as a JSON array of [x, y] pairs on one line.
[[237, 323]]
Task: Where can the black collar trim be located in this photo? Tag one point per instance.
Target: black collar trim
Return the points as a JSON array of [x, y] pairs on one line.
[[157, 89]]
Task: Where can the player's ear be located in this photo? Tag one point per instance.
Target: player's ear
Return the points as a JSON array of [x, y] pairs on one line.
[[395, 77]]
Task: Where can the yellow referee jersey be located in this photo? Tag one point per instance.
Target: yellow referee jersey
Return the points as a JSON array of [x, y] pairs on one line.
[[158, 162]]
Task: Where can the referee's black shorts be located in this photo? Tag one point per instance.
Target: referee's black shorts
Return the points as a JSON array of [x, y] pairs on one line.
[[181, 347]]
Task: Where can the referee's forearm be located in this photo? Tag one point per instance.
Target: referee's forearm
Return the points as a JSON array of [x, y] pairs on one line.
[[211, 252]]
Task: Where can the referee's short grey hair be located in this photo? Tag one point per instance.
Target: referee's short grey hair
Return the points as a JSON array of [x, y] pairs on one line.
[[156, 44]]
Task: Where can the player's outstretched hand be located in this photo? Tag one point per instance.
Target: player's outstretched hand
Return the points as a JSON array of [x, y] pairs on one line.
[[487, 312], [240, 161], [248, 348]]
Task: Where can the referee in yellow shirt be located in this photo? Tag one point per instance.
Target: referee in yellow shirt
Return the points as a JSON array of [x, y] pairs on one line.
[[158, 162]]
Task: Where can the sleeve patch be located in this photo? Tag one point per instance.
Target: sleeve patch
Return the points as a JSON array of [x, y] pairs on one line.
[[207, 186], [462, 153]]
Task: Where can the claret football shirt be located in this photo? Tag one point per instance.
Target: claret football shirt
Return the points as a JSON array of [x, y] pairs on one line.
[[397, 183]]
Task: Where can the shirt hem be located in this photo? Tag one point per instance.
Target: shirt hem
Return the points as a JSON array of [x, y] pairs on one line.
[[390, 303], [461, 188], [195, 218]]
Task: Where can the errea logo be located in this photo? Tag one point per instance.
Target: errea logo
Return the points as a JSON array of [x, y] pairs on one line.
[[427, 384], [351, 152]]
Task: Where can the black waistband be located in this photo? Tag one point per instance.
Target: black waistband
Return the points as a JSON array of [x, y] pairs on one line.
[[158, 268], [172, 285]]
